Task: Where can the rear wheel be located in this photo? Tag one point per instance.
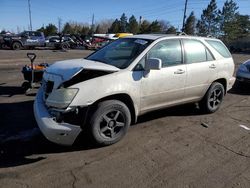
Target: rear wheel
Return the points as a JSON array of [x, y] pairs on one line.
[[110, 122], [16, 46], [213, 98]]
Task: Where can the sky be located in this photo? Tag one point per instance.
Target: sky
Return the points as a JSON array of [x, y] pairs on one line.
[[14, 14]]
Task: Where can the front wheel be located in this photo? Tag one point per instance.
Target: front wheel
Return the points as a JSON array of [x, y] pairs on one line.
[[212, 100], [110, 122]]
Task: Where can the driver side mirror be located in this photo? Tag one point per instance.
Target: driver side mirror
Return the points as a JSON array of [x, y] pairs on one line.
[[153, 64]]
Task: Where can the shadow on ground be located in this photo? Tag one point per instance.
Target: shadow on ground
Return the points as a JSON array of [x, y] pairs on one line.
[[240, 89], [9, 91], [20, 136]]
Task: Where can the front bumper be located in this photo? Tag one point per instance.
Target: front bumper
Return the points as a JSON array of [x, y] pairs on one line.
[[60, 133]]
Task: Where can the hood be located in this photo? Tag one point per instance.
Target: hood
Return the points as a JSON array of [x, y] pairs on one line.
[[69, 68]]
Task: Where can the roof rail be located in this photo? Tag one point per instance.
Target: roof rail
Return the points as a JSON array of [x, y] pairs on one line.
[[181, 34], [210, 36]]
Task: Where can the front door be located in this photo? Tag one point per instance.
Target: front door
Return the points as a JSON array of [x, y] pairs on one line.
[[161, 88]]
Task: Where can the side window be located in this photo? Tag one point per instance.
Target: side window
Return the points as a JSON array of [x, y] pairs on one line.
[[196, 52], [38, 34], [169, 51], [219, 47]]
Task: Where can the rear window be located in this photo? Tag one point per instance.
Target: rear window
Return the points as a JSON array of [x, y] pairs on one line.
[[219, 47]]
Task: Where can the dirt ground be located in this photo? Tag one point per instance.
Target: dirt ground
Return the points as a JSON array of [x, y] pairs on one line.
[[176, 147]]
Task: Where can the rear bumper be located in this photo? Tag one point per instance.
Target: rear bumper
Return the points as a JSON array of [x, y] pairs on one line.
[[231, 82], [60, 133]]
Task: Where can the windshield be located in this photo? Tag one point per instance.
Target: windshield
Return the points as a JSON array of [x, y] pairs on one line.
[[121, 52]]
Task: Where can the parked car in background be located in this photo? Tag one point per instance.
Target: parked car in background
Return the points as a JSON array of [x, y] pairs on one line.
[[105, 92], [243, 73], [26, 39]]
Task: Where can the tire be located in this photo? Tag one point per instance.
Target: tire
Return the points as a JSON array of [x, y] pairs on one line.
[[212, 100], [16, 46], [110, 122], [64, 46]]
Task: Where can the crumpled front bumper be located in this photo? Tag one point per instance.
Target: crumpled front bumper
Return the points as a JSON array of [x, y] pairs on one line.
[[60, 133]]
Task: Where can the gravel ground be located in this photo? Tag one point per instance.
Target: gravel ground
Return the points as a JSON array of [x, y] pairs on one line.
[[176, 147]]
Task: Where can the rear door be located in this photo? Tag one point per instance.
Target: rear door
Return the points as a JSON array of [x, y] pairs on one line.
[[201, 69]]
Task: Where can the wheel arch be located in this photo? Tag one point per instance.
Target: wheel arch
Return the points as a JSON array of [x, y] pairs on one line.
[[20, 42], [222, 81], [123, 97]]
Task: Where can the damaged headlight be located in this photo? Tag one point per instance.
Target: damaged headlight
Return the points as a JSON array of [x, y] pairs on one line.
[[61, 98]]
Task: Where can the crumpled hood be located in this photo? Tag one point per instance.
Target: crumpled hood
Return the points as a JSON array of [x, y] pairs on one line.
[[69, 68]]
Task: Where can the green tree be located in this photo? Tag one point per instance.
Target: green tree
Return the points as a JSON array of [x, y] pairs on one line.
[[123, 23], [85, 30], [50, 29], [144, 28], [133, 26], [155, 27], [229, 22], [97, 30], [67, 29], [242, 26], [209, 22], [115, 27], [171, 30], [189, 27]]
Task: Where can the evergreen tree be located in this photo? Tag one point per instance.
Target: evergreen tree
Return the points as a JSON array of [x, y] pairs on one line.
[[189, 27], [229, 21], [144, 28], [50, 29], [133, 26], [67, 29], [123, 23], [209, 22], [115, 27], [97, 30], [171, 30], [155, 27]]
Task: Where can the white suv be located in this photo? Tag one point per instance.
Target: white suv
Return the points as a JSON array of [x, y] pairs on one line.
[[106, 92]]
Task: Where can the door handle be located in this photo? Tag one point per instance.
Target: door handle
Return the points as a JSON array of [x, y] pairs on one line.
[[212, 66], [179, 71]]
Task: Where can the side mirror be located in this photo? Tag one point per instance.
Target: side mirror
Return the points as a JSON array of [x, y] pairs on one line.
[[153, 64]]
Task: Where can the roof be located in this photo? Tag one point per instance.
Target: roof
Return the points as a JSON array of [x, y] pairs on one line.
[[157, 36], [150, 36]]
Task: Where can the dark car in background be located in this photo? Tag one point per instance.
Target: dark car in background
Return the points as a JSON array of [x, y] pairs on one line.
[[26, 39]]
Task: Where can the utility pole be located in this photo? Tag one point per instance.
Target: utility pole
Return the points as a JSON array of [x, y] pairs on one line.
[[59, 24], [30, 15], [184, 16], [92, 24]]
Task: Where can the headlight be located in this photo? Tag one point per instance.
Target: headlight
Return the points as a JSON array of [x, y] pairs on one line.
[[243, 68], [61, 98]]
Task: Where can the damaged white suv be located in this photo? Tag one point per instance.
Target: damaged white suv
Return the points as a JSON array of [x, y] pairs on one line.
[[106, 92]]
